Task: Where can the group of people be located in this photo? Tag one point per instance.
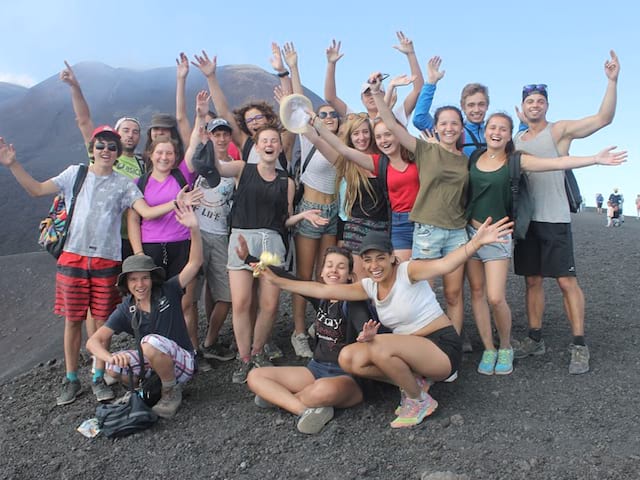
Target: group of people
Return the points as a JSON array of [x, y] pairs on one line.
[[615, 204], [376, 216]]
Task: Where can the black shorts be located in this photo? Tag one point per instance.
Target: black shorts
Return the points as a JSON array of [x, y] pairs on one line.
[[172, 256], [448, 340], [340, 232], [546, 251]]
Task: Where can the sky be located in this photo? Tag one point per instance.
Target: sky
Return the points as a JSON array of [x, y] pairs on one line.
[[502, 44]]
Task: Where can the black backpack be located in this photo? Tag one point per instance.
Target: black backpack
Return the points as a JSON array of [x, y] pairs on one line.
[[175, 173], [521, 202], [573, 191]]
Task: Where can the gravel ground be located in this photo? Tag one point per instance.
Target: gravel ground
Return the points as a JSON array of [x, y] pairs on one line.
[[538, 423]]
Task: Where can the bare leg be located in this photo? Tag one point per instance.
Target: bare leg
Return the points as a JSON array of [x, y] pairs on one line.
[[574, 303], [216, 320], [496, 273], [535, 301], [190, 312], [453, 283], [269, 297], [72, 340], [278, 385], [241, 284], [479, 305], [306, 252]]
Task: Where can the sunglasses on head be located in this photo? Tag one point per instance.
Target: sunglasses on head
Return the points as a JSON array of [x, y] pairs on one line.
[[352, 116], [254, 118], [112, 147], [332, 114], [540, 88]]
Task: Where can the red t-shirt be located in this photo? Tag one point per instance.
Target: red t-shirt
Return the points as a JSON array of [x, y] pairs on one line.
[[402, 186], [233, 151]]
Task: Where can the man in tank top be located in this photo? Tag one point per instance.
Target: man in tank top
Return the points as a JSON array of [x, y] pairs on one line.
[[547, 250]]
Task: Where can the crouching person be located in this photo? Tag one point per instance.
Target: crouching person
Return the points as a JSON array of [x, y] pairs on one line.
[[165, 342]]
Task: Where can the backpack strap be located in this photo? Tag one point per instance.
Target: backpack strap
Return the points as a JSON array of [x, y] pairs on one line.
[[515, 171], [477, 143], [307, 159], [246, 149], [77, 186], [175, 173], [140, 162], [383, 166]]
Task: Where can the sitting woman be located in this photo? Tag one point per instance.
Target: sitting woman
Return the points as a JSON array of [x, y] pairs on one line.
[[313, 391], [424, 345]]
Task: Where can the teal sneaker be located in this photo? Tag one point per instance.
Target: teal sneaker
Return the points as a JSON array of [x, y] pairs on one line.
[[488, 362], [504, 365]]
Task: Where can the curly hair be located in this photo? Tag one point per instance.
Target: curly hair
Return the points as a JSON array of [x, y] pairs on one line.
[[264, 108]]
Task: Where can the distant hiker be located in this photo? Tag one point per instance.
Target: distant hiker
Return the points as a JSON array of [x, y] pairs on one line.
[[165, 342], [88, 267], [599, 201], [547, 251]]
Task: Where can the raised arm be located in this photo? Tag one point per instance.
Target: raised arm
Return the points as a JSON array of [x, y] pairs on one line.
[[280, 69], [405, 46], [208, 68], [291, 57], [26, 181], [422, 119], [185, 215], [330, 93], [565, 131], [607, 156], [202, 107], [80, 106], [401, 133], [487, 233], [182, 70]]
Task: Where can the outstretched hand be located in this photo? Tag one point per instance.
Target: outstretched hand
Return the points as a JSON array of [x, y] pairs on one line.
[[279, 93], [68, 77], [276, 58], [375, 80], [202, 103], [612, 67], [290, 55], [7, 153], [429, 136], [406, 45], [182, 64], [369, 330], [242, 250], [333, 52], [185, 215], [207, 66], [492, 232], [434, 75], [313, 216], [190, 198], [402, 80], [609, 157]]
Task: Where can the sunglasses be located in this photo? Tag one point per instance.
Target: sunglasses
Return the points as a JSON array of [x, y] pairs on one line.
[[254, 119], [332, 114], [352, 116], [112, 147], [540, 88]]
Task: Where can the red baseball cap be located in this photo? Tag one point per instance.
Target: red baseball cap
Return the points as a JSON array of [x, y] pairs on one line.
[[104, 129]]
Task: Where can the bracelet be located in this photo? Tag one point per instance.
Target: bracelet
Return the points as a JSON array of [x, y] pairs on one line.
[[283, 74], [138, 252]]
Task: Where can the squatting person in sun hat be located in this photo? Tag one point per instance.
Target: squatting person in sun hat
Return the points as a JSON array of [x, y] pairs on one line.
[[547, 250], [91, 259], [165, 342], [424, 346]]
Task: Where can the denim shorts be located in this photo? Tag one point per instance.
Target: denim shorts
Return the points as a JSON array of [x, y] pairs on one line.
[[258, 240], [430, 242], [401, 231], [327, 210], [492, 251], [325, 369]]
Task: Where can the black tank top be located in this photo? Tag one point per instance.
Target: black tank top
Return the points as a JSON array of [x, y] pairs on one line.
[[258, 203]]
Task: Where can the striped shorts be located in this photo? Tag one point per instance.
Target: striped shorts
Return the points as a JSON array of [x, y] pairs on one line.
[[86, 282], [183, 360]]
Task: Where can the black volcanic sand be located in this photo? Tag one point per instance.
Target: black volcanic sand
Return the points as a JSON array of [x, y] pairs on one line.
[[538, 423]]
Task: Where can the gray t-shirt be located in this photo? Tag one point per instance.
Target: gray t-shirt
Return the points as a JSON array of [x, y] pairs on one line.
[[547, 190], [95, 225]]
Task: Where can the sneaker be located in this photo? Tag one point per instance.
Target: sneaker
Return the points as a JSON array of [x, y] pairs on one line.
[[69, 393], [312, 330], [240, 375], [579, 359], [424, 384], [504, 365], [528, 347], [260, 360], [451, 378], [217, 351], [102, 391], [414, 411], [202, 364], [262, 403], [300, 344], [272, 351], [169, 402], [313, 419], [488, 362], [109, 380]]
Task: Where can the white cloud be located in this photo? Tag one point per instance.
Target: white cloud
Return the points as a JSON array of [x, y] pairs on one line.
[[18, 79]]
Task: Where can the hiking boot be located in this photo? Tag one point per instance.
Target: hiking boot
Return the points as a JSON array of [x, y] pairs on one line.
[[102, 391], [504, 365], [240, 375], [169, 402], [262, 403], [217, 351], [69, 393], [272, 351], [487, 362], [579, 359], [260, 360], [300, 344], [528, 347], [313, 419], [414, 411]]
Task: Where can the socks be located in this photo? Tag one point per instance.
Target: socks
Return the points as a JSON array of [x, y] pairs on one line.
[[72, 376], [169, 385], [535, 334], [579, 340], [98, 374]]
